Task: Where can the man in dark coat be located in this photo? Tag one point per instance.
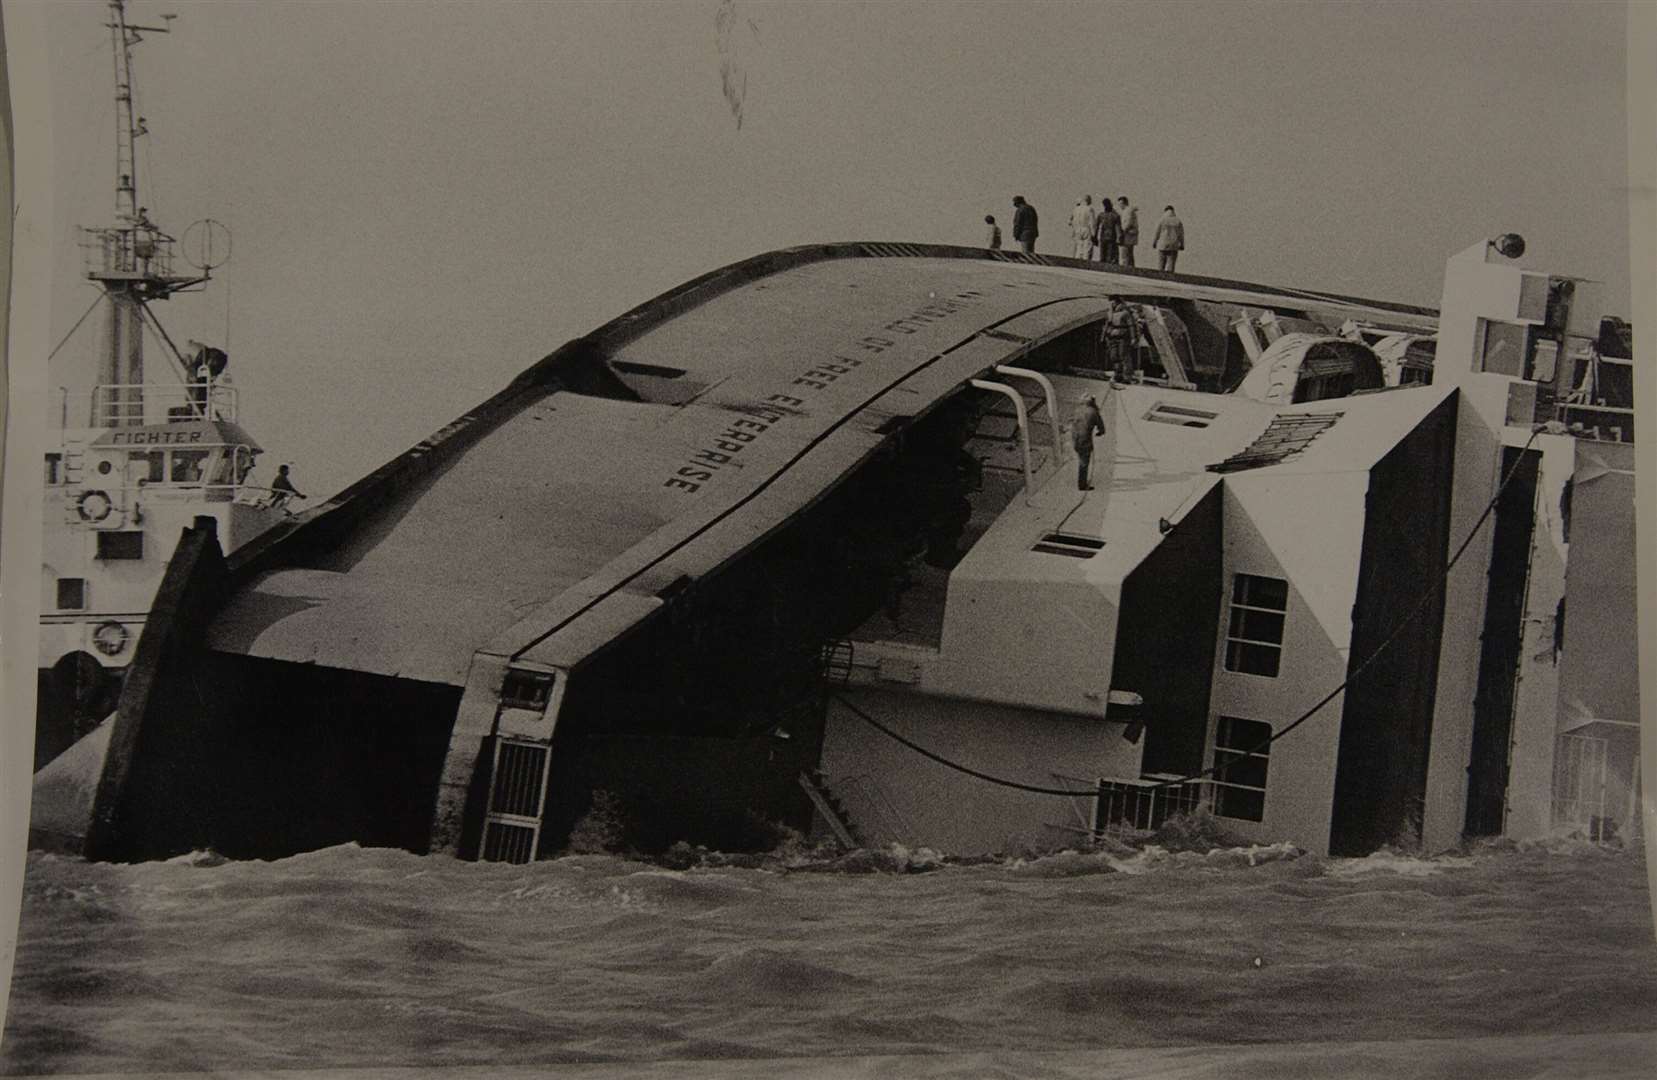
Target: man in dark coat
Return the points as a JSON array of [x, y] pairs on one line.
[[1108, 232], [1170, 239], [1024, 224], [1086, 424], [1119, 334], [282, 490]]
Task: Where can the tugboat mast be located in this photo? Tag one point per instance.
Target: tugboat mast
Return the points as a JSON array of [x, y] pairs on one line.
[[132, 260]]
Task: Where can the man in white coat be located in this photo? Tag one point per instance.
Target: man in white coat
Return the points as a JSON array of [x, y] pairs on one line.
[[1082, 220], [1130, 229]]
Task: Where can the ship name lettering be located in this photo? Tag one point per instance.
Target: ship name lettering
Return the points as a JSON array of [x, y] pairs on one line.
[[134, 438]]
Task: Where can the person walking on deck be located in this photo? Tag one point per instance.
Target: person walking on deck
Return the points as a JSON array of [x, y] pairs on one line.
[[1081, 226], [1130, 228], [992, 235], [1025, 226], [1086, 424], [1107, 234], [1170, 239]]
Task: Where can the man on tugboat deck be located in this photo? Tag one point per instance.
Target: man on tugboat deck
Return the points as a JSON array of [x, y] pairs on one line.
[[282, 490]]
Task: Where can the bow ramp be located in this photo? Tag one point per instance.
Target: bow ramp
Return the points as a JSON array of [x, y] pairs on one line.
[[619, 572]]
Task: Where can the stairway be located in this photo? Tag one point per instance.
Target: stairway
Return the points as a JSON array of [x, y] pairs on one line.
[[831, 809], [1176, 360]]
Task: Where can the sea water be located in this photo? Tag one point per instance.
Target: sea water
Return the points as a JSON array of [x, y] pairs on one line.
[[351, 957]]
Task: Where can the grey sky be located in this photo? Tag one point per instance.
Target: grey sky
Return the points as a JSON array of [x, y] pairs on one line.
[[427, 197]]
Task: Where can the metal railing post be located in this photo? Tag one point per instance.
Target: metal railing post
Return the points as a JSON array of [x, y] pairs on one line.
[[1052, 402], [1023, 426]]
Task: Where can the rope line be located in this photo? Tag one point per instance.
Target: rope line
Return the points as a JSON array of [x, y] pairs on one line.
[[957, 766], [1214, 770], [95, 302]]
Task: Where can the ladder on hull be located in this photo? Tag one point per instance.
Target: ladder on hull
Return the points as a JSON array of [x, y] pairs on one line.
[[832, 811]]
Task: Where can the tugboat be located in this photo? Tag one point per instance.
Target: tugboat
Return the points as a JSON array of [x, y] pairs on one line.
[[133, 462]]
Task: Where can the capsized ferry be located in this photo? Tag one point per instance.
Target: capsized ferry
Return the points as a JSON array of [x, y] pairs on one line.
[[807, 540]]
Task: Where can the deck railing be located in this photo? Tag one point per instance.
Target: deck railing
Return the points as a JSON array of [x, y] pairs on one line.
[[1142, 805], [138, 404]]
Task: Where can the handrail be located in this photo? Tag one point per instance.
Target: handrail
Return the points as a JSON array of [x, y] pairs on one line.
[[875, 800], [120, 404], [1023, 427], [1071, 801], [1052, 403]]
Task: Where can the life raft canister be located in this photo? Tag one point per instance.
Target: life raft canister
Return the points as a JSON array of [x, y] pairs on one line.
[[93, 505]]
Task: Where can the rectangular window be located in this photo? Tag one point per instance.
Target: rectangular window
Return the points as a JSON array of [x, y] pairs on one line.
[[526, 690], [1241, 754], [54, 469], [121, 545], [1533, 297], [71, 594], [1180, 415], [1077, 547], [148, 466], [1503, 349], [187, 466], [1254, 636]]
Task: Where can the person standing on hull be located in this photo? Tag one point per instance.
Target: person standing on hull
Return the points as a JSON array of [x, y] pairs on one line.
[[1082, 220], [1170, 239], [1130, 228], [1025, 227], [1107, 235], [992, 233], [1087, 423]]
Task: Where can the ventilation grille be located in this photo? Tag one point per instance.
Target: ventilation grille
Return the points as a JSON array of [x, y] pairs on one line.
[[519, 770], [1180, 415], [506, 842], [892, 250], [1283, 437], [889, 251], [1077, 547]]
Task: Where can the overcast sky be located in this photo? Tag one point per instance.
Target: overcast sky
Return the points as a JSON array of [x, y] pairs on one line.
[[427, 197]]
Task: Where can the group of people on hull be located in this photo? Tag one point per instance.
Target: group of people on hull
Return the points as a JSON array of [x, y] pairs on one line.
[[1103, 233]]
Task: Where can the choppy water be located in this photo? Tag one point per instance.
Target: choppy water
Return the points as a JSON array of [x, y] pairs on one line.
[[358, 957]]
